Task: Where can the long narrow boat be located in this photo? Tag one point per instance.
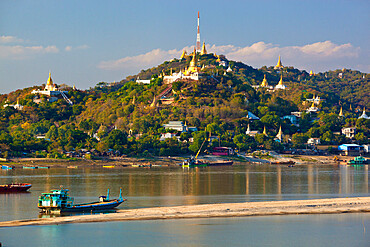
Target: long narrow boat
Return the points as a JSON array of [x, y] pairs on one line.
[[18, 187], [221, 163], [5, 167], [59, 201]]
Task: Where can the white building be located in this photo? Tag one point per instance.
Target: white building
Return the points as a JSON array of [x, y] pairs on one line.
[[349, 132], [50, 89], [314, 141]]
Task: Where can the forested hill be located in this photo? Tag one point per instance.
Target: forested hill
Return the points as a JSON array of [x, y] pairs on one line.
[[128, 116]]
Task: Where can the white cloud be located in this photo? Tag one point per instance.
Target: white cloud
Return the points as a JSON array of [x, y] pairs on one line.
[[81, 47], [9, 39], [22, 52], [311, 56]]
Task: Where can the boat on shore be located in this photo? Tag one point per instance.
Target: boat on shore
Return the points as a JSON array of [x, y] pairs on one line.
[[5, 167], [14, 187], [194, 162], [359, 160], [59, 201], [289, 162], [221, 163]]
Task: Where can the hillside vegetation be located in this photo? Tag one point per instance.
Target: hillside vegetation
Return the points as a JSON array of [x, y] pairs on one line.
[[121, 116]]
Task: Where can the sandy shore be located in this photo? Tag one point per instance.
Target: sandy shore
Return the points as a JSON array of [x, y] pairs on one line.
[[318, 206]]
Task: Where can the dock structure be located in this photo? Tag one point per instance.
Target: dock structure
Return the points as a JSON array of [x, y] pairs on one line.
[[316, 206]]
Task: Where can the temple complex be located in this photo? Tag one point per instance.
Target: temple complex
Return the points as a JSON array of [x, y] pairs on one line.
[[51, 89], [191, 73]]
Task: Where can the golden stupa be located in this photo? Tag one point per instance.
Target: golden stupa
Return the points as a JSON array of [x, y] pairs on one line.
[[264, 82], [279, 65], [183, 54], [204, 51]]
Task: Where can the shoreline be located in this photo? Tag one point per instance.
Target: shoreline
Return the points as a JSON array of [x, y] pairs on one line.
[[246, 209], [168, 161]]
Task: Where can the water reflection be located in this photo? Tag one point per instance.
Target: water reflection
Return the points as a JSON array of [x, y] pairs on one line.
[[174, 186]]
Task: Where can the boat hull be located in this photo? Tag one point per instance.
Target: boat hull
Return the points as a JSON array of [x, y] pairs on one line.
[[86, 207], [221, 163], [14, 188]]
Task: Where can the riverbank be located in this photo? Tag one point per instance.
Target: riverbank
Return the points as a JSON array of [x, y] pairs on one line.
[[171, 160], [317, 206]]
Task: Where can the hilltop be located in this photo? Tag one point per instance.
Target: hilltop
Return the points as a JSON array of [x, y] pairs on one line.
[[128, 116]]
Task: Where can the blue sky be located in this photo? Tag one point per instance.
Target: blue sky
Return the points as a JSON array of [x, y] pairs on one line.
[[85, 42]]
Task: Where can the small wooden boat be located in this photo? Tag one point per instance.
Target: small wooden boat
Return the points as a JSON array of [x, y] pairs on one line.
[[5, 167], [109, 166], [359, 160], [29, 167], [72, 167], [221, 163], [58, 201], [193, 162], [289, 162], [18, 187]]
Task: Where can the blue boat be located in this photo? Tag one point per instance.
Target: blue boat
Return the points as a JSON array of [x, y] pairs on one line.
[[29, 167], [4, 167], [59, 201]]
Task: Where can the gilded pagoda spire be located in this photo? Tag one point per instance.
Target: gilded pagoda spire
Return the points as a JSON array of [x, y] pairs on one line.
[[280, 134], [204, 51], [193, 61], [281, 80], [264, 82], [341, 112], [50, 81], [183, 54], [264, 130], [279, 65]]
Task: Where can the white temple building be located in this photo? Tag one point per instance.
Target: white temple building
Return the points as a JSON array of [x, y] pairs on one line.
[[50, 88], [364, 115], [280, 85]]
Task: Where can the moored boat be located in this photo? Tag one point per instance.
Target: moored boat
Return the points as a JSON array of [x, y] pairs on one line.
[[58, 201], [29, 167], [359, 160], [221, 163], [5, 167], [109, 166], [289, 162], [14, 187]]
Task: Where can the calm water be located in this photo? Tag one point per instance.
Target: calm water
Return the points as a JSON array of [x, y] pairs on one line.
[[295, 230], [165, 186]]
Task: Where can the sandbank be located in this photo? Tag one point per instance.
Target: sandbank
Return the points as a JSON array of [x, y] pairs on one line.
[[316, 206]]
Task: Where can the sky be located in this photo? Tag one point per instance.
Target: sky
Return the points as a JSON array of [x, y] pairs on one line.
[[86, 42]]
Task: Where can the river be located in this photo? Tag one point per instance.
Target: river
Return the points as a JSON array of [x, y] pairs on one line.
[[170, 186]]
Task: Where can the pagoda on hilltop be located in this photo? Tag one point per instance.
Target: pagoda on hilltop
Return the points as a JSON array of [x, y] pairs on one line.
[[341, 112], [264, 82], [279, 65], [364, 115], [203, 51], [193, 72], [280, 85], [51, 89], [279, 136]]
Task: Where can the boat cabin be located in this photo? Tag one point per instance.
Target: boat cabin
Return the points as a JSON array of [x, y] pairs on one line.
[[55, 199]]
